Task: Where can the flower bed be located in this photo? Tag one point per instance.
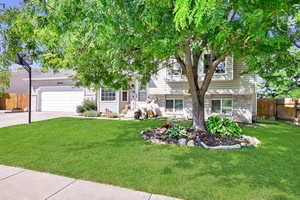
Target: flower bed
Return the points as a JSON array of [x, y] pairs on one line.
[[172, 133]]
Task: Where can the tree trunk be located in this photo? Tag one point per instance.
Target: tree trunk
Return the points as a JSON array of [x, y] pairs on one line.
[[190, 66], [198, 112]]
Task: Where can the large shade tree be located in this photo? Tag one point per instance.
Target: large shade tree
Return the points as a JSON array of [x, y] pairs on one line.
[[125, 40]]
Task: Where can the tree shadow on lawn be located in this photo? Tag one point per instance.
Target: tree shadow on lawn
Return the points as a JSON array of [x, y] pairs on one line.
[[273, 167]]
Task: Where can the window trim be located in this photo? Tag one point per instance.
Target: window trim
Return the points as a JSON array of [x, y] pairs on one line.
[[107, 100], [174, 112], [221, 113], [123, 96], [215, 74]]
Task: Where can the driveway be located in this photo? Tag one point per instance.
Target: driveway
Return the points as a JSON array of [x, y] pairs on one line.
[[10, 119]]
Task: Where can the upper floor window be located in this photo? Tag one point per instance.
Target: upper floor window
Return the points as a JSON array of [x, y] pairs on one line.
[[108, 94], [175, 70], [209, 59], [221, 106]]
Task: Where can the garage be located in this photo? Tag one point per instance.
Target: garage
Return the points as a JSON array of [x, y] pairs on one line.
[[61, 101]]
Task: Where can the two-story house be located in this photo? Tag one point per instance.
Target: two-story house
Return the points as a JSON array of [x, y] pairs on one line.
[[230, 94]]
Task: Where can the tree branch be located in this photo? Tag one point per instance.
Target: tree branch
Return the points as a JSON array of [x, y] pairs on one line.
[[181, 62], [208, 77]]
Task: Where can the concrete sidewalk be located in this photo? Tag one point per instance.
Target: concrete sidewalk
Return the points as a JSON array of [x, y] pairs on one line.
[[22, 184]]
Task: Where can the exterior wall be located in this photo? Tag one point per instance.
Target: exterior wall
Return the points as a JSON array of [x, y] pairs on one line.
[[240, 84], [242, 106], [113, 106], [240, 88]]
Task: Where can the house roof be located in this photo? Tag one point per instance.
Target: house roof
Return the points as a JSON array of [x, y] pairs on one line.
[[41, 76], [19, 78]]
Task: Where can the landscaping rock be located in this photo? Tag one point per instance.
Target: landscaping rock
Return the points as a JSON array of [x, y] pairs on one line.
[[252, 141], [146, 137], [190, 143], [163, 130], [157, 141], [192, 135], [171, 141], [182, 141]]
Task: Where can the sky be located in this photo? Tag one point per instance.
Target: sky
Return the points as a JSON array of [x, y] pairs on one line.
[[11, 3]]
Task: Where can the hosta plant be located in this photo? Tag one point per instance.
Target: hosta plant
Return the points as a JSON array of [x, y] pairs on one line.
[[223, 126]]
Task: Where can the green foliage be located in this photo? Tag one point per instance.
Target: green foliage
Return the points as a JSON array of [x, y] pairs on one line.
[[295, 93], [115, 42], [176, 131], [223, 126], [87, 105], [80, 109], [91, 113]]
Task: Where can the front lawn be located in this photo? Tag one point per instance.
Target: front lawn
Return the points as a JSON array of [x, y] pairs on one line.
[[110, 151]]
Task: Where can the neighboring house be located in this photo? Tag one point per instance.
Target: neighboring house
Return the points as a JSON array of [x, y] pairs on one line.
[[230, 94], [17, 83]]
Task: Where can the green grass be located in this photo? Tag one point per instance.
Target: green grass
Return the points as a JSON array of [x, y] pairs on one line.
[[112, 152], [295, 93]]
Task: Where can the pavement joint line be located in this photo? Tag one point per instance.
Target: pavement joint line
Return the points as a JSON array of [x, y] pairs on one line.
[[60, 190], [150, 197], [2, 179]]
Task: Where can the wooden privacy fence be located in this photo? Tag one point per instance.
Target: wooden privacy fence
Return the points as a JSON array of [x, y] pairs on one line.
[[287, 109], [12, 101]]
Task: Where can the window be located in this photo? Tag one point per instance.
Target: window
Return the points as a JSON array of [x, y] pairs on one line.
[[221, 106], [108, 94], [208, 59], [124, 95], [174, 105], [142, 95], [175, 70]]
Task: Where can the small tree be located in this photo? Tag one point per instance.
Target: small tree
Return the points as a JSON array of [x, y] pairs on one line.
[[125, 40]]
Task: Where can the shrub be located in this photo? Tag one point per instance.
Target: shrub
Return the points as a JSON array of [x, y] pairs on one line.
[[223, 126], [80, 109], [87, 105], [91, 113], [176, 131]]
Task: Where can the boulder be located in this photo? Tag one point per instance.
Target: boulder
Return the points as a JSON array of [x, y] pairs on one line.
[[157, 141], [163, 130], [252, 141], [182, 141], [192, 135], [190, 143]]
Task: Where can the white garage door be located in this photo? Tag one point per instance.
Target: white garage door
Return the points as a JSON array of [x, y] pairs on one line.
[[62, 101]]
